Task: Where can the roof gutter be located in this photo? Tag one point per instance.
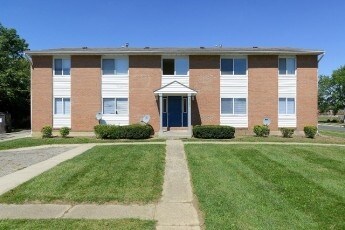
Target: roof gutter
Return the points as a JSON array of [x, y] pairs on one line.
[[28, 58], [320, 58]]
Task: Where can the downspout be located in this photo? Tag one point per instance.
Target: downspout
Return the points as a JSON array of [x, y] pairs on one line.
[[28, 58], [318, 60]]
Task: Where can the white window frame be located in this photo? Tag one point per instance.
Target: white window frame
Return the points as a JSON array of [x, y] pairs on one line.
[[233, 106], [114, 58], [175, 57], [63, 58], [115, 100], [63, 108], [286, 57], [287, 114], [233, 66]]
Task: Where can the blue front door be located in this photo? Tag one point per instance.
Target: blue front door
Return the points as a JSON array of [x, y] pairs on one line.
[[175, 111]]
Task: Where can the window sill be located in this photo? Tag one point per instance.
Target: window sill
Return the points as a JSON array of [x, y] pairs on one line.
[[223, 75], [175, 75], [234, 115], [287, 75], [114, 114], [287, 115], [113, 75], [62, 76], [62, 115]]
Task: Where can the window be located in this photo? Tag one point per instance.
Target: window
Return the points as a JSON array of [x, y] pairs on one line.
[[175, 66], [118, 66], [233, 106], [233, 66], [286, 105], [62, 67], [115, 105], [287, 66], [62, 106]]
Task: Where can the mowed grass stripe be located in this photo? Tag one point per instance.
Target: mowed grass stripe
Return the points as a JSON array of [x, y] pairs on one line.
[[257, 187], [312, 164], [118, 174], [58, 224], [304, 194], [232, 196]]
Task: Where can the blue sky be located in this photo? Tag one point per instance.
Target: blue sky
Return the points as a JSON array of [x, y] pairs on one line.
[[181, 23]]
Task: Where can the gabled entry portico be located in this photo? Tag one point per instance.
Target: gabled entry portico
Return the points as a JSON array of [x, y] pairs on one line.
[[175, 101]]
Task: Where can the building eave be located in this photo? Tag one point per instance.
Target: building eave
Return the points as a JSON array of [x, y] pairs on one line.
[[175, 51]]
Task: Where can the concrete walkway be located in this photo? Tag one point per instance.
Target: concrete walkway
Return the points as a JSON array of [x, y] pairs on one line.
[[15, 135], [174, 211]]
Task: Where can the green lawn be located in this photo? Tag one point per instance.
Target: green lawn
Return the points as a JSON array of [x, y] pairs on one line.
[[301, 139], [60, 224], [115, 174], [35, 141], [332, 133], [269, 186]]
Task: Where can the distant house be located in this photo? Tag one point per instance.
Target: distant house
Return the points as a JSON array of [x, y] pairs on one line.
[[177, 87]]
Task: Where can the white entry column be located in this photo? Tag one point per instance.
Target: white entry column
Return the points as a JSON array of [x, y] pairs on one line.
[[160, 114], [190, 114]]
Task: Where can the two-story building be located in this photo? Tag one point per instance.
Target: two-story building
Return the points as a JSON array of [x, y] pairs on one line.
[[177, 87]]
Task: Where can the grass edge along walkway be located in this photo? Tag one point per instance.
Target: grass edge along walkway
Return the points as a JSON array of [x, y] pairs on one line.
[[35, 141], [136, 172], [50, 224]]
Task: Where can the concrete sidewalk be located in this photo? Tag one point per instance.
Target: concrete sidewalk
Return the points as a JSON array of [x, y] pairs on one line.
[[15, 135], [174, 211]]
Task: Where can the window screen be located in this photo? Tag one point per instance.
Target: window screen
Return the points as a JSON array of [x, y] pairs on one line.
[[227, 106], [122, 106], [108, 106]]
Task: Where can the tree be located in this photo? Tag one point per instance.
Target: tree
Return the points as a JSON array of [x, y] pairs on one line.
[[324, 94], [338, 88], [14, 77], [332, 91]]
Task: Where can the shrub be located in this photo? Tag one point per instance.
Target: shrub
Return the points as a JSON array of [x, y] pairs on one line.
[[136, 131], [213, 131], [64, 131], [47, 131], [310, 131], [261, 130], [287, 132]]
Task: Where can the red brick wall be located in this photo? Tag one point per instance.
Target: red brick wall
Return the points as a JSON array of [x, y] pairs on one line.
[[85, 92], [262, 90], [144, 78], [306, 91], [204, 77], [42, 92]]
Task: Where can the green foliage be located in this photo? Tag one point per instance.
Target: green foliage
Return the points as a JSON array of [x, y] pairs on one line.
[[261, 130], [64, 131], [287, 132], [14, 77], [310, 131], [47, 131], [332, 91], [136, 131], [213, 131]]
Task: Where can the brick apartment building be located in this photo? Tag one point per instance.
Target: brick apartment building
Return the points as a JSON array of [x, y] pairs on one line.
[[177, 87]]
